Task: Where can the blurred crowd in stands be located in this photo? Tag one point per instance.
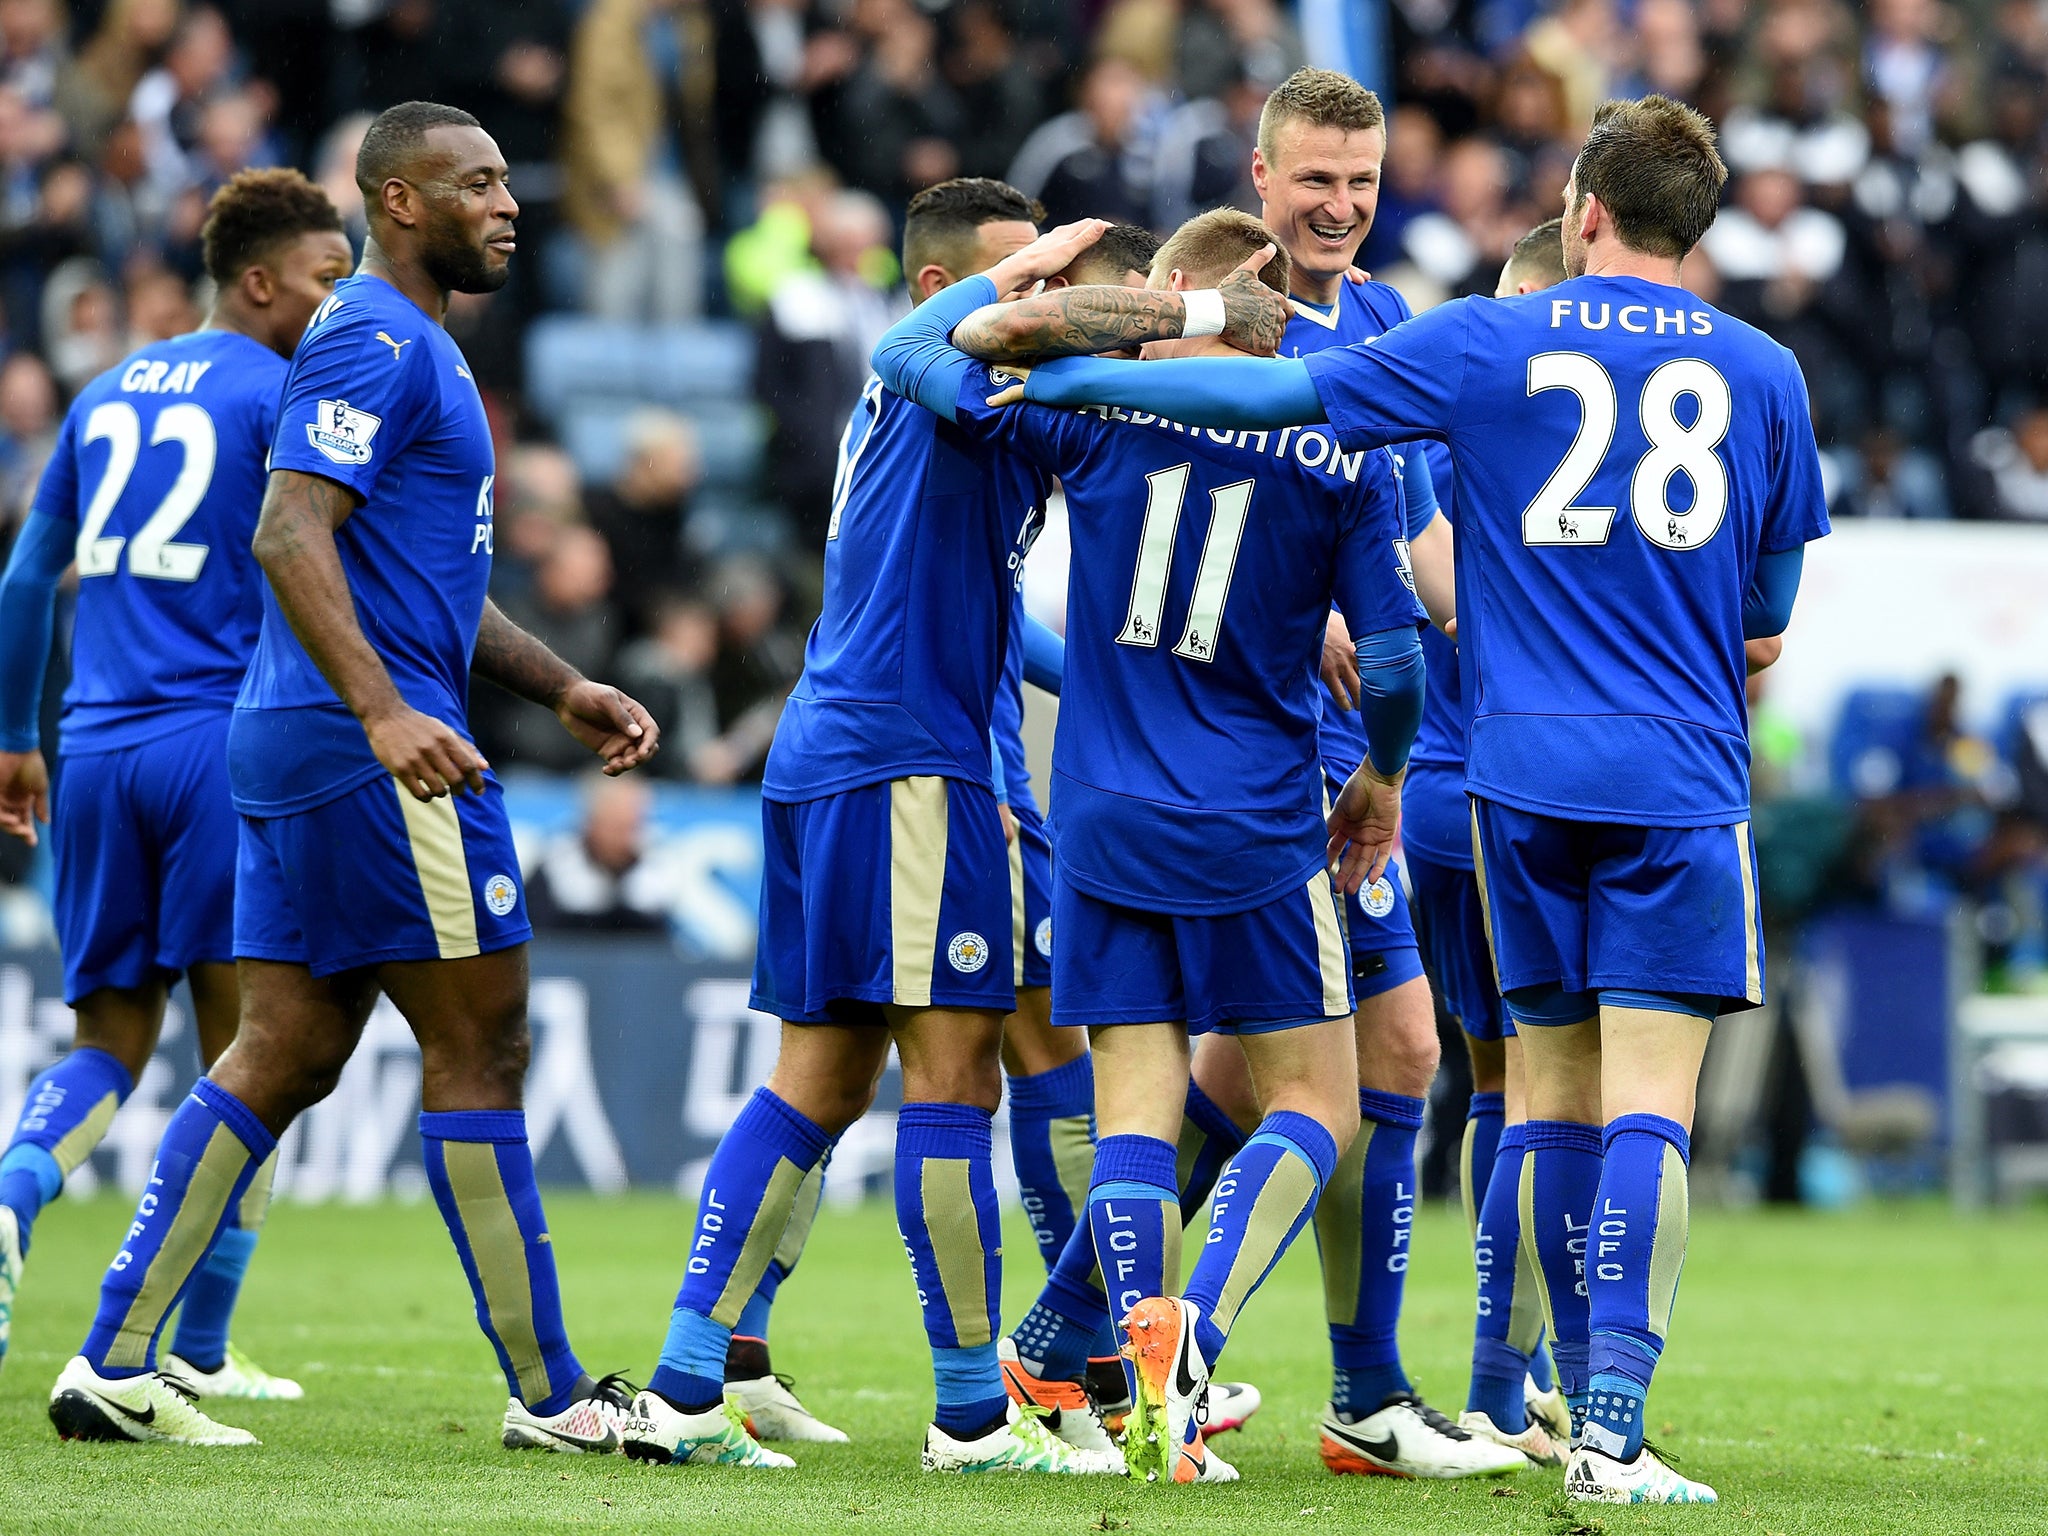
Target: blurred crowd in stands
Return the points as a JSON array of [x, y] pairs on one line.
[[724, 178]]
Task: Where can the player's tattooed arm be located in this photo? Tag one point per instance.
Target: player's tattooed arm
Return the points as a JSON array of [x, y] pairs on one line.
[[295, 546], [605, 720], [1067, 322]]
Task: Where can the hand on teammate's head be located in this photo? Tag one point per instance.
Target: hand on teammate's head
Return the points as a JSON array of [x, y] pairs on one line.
[[1047, 256]]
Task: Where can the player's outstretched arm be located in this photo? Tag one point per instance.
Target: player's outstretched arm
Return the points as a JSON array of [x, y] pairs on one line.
[[1245, 392], [26, 592], [295, 546], [1071, 321], [605, 720]]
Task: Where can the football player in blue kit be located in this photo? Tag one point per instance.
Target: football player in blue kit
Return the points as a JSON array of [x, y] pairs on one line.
[[1321, 141], [153, 489], [375, 853], [1189, 887], [1620, 578], [886, 906]]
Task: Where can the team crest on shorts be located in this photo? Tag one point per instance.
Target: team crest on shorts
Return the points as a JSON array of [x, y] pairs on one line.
[[967, 953], [1043, 937], [1377, 898], [500, 895]]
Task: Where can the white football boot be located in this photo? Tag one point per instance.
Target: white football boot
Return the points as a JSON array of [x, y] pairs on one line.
[[238, 1376], [1405, 1437], [1598, 1478], [10, 1273], [1548, 1409], [85, 1405], [1021, 1444], [1533, 1442], [594, 1424], [655, 1431], [773, 1412], [1064, 1407], [1230, 1404]]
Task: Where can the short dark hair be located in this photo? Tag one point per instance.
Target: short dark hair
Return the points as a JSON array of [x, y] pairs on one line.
[[943, 222], [1654, 167], [255, 214], [1539, 255], [396, 136], [1210, 245], [1123, 248]]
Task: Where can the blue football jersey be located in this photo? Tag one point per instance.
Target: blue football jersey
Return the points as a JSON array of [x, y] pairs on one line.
[[159, 464], [1184, 772], [1362, 312], [378, 400], [904, 666], [1625, 453]]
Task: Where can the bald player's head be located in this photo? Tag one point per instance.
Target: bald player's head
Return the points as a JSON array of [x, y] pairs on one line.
[[1536, 263], [433, 185]]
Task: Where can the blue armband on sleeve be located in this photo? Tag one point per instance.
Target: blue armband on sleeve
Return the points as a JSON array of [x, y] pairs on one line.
[[915, 355], [26, 589], [997, 778], [1045, 656], [1249, 392], [1390, 684], [1767, 608]]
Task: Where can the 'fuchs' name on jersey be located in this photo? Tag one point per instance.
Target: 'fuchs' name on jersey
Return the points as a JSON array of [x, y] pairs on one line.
[[1636, 319], [1309, 447]]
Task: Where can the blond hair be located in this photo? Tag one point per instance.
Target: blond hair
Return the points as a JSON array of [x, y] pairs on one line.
[[1209, 246], [1321, 98]]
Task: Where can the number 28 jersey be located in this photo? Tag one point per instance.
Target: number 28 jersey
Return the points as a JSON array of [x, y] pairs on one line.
[[159, 464], [1625, 453], [1184, 769]]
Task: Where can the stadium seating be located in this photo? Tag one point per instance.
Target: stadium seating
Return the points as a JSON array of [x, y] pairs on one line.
[[1873, 740]]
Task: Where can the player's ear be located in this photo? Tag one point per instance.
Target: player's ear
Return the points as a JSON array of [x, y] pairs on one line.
[[1260, 174], [400, 202], [258, 285], [930, 278], [1177, 281], [1059, 280]]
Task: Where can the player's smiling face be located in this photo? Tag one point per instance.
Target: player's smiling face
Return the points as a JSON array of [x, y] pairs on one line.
[[1319, 192], [466, 239]]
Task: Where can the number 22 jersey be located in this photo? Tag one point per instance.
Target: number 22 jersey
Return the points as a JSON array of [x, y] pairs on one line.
[[1625, 453], [160, 465]]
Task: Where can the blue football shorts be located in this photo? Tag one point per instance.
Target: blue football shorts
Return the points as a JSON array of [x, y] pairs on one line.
[[1586, 906], [1384, 954], [144, 842], [1031, 898], [375, 876], [1451, 925], [1274, 967], [897, 892]]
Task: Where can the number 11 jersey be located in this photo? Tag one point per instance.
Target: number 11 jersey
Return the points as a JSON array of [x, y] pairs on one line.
[[1625, 454], [159, 464]]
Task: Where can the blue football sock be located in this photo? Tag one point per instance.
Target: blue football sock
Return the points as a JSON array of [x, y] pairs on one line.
[[755, 1315], [1640, 1219], [1539, 1367], [1510, 1311], [1560, 1179], [947, 1215], [1208, 1139], [210, 1152], [65, 1115], [1479, 1151], [1363, 1224], [749, 1201], [1052, 1144], [481, 1171], [1264, 1197], [1134, 1218], [202, 1336]]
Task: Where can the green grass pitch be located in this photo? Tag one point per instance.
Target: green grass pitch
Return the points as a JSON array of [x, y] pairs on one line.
[[1885, 1371]]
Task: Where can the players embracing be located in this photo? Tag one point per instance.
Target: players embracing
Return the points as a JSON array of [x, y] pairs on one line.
[[1606, 595]]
